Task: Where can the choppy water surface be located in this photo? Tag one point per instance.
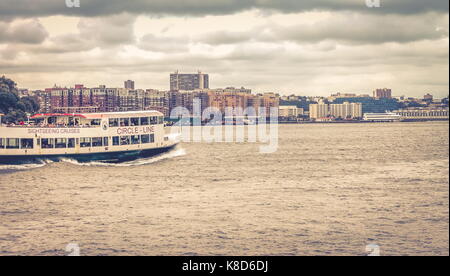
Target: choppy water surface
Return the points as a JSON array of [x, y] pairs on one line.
[[328, 190]]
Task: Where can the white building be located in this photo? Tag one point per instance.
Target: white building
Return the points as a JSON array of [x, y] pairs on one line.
[[290, 111], [346, 110], [343, 111], [317, 111], [423, 114]]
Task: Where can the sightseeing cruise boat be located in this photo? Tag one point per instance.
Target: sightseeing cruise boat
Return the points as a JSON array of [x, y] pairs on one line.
[[106, 137]]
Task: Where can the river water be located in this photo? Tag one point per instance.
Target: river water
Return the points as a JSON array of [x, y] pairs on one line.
[[328, 190]]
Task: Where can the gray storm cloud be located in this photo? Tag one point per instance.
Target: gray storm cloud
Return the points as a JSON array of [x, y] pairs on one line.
[[330, 45], [28, 32], [27, 8], [164, 44], [343, 27]]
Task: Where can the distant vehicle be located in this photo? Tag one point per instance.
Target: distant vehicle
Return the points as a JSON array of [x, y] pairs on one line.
[[381, 117]]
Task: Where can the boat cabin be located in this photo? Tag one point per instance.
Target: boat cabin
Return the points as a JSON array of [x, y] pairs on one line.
[[119, 119]]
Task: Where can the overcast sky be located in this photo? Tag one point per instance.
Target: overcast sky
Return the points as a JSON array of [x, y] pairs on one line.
[[305, 47]]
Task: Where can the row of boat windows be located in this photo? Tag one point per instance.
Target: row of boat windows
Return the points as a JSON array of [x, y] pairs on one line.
[[123, 122], [62, 143]]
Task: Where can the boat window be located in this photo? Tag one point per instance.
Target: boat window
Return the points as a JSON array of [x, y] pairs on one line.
[[160, 120], [52, 120], [48, 143], [116, 141], [71, 121], [105, 141], [96, 122], [61, 143], [85, 142], [145, 139], [12, 143], [124, 122], [145, 121], [131, 140], [113, 122], [2, 143], [39, 121], [124, 140], [135, 139], [134, 121], [71, 143], [97, 142], [153, 120], [27, 143]]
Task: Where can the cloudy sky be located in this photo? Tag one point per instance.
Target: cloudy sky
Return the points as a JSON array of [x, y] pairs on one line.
[[306, 47]]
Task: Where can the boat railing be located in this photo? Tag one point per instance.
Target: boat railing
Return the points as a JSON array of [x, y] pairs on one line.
[[48, 126]]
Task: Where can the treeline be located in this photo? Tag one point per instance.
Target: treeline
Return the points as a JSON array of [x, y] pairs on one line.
[[14, 107]]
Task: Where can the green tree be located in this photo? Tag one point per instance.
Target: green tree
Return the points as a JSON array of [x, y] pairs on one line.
[[31, 104], [7, 101], [14, 107], [15, 116]]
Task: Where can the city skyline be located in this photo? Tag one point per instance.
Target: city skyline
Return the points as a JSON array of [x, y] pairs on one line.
[[284, 47], [366, 93]]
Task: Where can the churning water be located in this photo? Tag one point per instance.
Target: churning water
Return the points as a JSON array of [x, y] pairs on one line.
[[328, 190]]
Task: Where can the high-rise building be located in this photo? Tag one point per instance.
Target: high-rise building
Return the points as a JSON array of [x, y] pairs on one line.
[[188, 82], [43, 98], [157, 100], [357, 110], [342, 111], [129, 100], [317, 111], [290, 111], [268, 102], [382, 93], [221, 100], [428, 98], [186, 99], [129, 84], [99, 98], [346, 110]]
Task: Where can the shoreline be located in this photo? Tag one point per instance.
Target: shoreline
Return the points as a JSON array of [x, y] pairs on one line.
[[361, 122], [329, 122]]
